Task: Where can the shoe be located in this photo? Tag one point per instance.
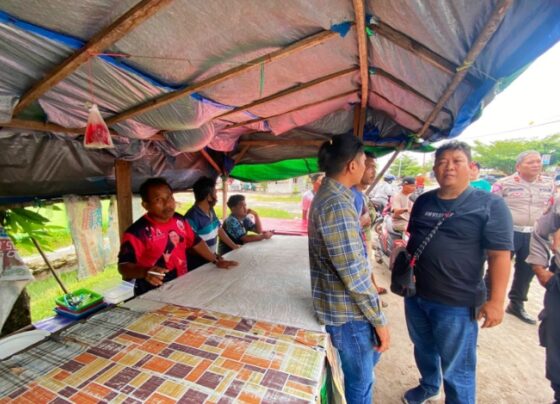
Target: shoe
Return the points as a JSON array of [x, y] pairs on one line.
[[519, 312], [419, 395]]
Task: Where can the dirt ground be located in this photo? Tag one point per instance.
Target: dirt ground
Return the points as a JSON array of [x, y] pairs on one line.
[[511, 363]]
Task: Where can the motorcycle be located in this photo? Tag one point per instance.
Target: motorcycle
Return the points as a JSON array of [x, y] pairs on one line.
[[388, 239]]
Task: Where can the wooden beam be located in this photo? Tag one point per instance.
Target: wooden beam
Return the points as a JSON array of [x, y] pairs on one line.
[[334, 97], [291, 90], [420, 121], [53, 127], [211, 161], [165, 99], [241, 154], [123, 179], [357, 112], [279, 142], [359, 11], [401, 84], [101, 41], [40, 126], [383, 171], [224, 196], [423, 52], [479, 44]]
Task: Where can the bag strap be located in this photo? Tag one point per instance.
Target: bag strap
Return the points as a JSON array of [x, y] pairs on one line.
[[433, 232]]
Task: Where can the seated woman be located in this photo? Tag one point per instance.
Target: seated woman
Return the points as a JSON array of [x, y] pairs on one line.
[[237, 224]]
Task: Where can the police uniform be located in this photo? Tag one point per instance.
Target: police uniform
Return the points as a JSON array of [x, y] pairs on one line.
[[527, 202]]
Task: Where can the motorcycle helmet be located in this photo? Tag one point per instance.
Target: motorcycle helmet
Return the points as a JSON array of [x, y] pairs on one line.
[[389, 178]]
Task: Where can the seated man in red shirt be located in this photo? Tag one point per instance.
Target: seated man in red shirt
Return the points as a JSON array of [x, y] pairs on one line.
[[153, 250]]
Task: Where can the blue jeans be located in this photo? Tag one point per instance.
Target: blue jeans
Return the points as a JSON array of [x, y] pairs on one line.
[[444, 339], [355, 341]]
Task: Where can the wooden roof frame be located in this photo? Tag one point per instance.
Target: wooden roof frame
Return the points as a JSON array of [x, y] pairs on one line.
[[100, 41], [306, 43]]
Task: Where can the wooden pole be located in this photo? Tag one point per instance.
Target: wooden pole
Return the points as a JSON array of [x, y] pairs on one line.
[[302, 107], [241, 154], [160, 101], [224, 196], [420, 121], [211, 161], [279, 142], [357, 113], [291, 90], [101, 41], [481, 41], [123, 177], [53, 127], [401, 84], [423, 52], [359, 12]]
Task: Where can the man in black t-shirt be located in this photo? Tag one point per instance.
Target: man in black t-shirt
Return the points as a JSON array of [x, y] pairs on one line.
[[442, 317]]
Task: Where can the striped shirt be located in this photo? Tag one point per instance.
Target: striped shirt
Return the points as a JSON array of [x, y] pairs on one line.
[[341, 285], [206, 227]]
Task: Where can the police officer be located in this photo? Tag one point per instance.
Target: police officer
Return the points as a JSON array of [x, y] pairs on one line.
[[528, 194], [549, 333]]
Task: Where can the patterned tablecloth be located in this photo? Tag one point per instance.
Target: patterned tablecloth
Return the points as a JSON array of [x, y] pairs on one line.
[[172, 354]]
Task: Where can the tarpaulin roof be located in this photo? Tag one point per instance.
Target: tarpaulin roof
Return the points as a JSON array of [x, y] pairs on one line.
[[237, 77]]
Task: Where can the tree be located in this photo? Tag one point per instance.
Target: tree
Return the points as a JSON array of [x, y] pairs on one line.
[[406, 165], [501, 155]]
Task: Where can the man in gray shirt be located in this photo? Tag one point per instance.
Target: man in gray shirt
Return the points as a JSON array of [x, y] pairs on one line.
[[539, 258]]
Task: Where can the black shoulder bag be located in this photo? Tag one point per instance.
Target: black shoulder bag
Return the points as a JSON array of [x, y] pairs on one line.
[[402, 263]]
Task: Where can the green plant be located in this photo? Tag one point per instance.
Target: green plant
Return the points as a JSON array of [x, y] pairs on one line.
[[22, 223]]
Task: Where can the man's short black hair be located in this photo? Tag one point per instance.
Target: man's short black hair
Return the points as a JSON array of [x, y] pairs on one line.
[[336, 153], [454, 145], [149, 183], [203, 187], [369, 154], [476, 164], [235, 200]]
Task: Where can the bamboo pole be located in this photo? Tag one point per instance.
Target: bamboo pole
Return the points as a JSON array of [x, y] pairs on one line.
[[302, 107], [481, 41], [359, 11], [295, 89], [211, 161], [423, 52]]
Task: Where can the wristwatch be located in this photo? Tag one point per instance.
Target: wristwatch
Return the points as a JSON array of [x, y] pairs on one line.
[[217, 258]]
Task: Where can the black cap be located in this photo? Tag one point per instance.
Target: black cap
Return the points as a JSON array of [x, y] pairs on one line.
[[408, 180]]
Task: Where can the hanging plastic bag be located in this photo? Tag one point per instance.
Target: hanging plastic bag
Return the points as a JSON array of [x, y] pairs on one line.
[[97, 133]]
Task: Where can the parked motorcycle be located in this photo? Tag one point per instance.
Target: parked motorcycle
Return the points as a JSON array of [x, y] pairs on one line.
[[388, 239]]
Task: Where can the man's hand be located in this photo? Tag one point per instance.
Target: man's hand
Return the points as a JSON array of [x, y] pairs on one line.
[[384, 338], [492, 313], [226, 264], [267, 234], [251, 212], [542, 274], [154, 275]]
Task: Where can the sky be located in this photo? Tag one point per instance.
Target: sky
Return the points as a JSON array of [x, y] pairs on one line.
[[528, 108]]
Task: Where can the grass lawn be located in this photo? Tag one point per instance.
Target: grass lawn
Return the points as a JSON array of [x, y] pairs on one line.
[[291, 198], [43, 292]]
